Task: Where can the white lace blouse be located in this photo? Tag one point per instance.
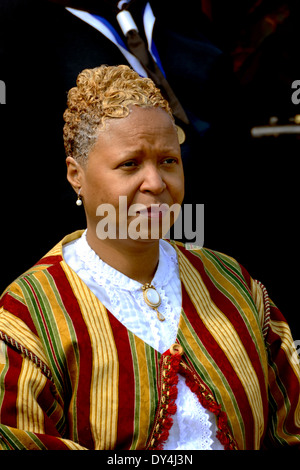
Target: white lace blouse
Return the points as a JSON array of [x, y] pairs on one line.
[[123, 297]]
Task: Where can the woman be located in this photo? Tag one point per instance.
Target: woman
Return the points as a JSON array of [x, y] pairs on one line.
[[118, 339]]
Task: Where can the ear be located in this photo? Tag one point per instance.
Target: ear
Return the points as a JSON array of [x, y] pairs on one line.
[[74, 173]]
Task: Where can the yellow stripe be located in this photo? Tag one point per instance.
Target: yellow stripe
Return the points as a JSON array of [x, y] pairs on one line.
[[31, 382], [279, 397], [243, 303], [218, 383], [63, 337], [143, 393], [227, 338], [282, 329], [258, 298], [3, 357], [72, 445], [25, 440], [18, 330], [57, 249], [65, 340], [104, 382]]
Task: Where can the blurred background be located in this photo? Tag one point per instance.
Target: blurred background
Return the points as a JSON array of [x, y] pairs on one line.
[[234, 67]]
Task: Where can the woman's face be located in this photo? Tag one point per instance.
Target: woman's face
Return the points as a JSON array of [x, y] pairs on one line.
[[138, 157]]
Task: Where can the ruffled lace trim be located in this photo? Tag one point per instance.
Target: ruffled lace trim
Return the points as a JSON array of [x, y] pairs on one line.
[[106, 275], [194, 416], [171, 366], [208, 402]]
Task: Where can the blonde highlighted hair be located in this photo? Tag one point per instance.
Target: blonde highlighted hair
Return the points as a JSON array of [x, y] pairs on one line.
[[102, 93]]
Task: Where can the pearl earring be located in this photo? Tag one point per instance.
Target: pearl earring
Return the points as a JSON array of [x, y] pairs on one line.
[[79, 200]]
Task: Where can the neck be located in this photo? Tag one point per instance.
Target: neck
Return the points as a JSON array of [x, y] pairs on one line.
[[138, 260]]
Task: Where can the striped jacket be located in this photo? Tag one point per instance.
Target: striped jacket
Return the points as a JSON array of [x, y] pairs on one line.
[[73, 377]]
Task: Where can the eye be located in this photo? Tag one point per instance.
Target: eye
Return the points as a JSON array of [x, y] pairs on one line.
[[170, 160], [130, 164]]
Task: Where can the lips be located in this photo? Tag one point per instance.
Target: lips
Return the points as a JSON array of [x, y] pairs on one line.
[[154, 210]]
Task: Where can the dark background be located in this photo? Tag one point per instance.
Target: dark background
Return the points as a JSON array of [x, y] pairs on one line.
[[232, 68]]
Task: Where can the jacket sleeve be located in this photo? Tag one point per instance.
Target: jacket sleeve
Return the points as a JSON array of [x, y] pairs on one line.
[[31, 415], [283, 374], [34, 415]]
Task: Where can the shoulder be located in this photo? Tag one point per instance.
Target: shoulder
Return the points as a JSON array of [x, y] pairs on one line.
[[212, 260], [36, 297], [47, 270], [223, 275]]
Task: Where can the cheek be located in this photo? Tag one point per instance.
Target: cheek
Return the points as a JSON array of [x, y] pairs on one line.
[[106, 189], [177, 189], [96, 196]]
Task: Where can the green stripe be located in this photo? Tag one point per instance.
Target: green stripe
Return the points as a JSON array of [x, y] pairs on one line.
[[3, 374], [235, 279], [74, 341], [69, 322], [204, 373], [59, 368], [238, 284], [274, 405], [273, 423], [17, 297], [10, 438], [46, 310], [43, 313], [152, 358], [137, 400]]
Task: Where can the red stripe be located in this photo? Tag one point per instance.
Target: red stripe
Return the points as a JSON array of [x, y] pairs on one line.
[[126, 385], [8, 406], [85, 353], [286, 375], [52, 443], [48, 260], [11, 304], [224, 304], [44, 399], [45, 326], [224, 365]]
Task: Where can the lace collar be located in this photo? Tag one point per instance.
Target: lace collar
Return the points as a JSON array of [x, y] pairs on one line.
[[105, 274]]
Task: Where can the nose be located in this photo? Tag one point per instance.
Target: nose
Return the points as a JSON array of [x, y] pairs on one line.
[[152, 180]]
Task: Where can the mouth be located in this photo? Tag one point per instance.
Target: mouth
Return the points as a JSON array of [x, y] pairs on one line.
[[154, 211]]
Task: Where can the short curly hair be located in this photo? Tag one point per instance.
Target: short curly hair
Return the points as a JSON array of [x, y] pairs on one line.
[[101, 93]]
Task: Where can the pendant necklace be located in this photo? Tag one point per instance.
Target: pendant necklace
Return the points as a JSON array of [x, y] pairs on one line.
[[152, 298]]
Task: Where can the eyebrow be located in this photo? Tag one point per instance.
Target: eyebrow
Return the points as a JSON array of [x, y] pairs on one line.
[[137, 152]]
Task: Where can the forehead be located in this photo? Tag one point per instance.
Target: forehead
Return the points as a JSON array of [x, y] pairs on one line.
[[152, 124]]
